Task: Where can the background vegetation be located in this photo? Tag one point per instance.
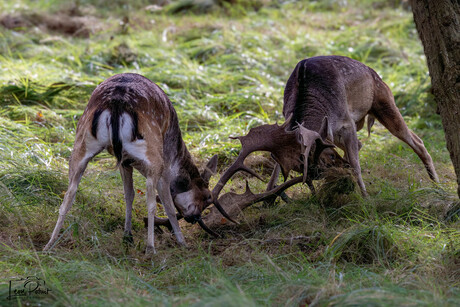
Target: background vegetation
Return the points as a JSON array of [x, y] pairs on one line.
[[224, 65]]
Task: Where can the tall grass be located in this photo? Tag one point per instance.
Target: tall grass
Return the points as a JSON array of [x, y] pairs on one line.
[[224, 65]]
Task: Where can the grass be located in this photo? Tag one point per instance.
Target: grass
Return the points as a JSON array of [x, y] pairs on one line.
[[224, 67]]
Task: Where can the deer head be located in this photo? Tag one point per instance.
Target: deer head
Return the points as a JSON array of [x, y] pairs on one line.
[[300, 150], [191, 196]]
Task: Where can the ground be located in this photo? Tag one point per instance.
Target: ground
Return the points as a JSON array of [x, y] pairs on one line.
[[224, 65]]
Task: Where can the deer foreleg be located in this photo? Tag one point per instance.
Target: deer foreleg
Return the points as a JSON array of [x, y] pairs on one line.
[[166, 199], [349, 141], [272, 184], [274, 178], [151, 210], [311, 186]]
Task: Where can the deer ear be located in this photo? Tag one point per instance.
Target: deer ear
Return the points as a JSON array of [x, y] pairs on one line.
[[210, 169], [307, 139], [320, 147], [287, 123], [325, 131]]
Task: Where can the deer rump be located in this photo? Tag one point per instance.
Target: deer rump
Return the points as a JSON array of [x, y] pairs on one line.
[[326, 101]]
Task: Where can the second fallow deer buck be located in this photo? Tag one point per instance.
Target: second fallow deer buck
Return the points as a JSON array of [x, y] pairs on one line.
[[134, 120], [326, 101]]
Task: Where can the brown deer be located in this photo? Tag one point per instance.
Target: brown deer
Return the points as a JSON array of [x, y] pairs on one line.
[[326, 101], [134, 120]]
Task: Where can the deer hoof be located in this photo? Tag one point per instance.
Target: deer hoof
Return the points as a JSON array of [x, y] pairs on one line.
[[128, 238], [183, 244], [150, 250]]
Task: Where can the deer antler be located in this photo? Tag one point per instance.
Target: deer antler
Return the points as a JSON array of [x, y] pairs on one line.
[[282, 144], [233, 203], [287, 147]]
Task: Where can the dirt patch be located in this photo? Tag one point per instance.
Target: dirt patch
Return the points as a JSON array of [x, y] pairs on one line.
[[62, 23]]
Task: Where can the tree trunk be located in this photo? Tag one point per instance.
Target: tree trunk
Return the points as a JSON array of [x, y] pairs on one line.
[[438, 25]]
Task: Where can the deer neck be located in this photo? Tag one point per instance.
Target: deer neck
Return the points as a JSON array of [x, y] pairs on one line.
[[182, 168]]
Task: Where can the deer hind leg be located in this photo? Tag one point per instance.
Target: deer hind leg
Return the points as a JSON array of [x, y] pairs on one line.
[[82, 154], [388, 114], [128, 187]]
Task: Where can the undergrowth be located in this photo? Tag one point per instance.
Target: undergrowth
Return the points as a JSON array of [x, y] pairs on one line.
[[224, 65]]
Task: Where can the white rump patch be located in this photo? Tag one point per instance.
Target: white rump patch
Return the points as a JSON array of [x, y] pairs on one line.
[[103, 134], [94, 145], [136, 149], [126, 128]]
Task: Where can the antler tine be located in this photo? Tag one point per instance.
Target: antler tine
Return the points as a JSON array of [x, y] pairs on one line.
[[287, 122], [206, 228], [272, 138], [255, 198], [238, 165], [234, 203], [160, 221], [223, 212]]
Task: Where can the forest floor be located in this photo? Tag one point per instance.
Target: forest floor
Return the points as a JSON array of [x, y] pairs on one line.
[[224, 67]]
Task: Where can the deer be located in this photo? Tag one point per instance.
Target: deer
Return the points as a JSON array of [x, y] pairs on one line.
[[133, 119], [326, 101]]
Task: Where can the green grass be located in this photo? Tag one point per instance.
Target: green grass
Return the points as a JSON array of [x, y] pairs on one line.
[[224, 67]]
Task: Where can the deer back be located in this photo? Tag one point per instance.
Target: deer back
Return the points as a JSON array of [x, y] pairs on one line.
[[335, 87]]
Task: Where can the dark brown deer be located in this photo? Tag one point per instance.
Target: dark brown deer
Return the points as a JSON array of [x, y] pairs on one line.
[[326, 101], [134, 120]]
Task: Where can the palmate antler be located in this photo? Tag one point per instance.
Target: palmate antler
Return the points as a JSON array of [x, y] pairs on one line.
[[297, 150], [234, 203], [282, 144]]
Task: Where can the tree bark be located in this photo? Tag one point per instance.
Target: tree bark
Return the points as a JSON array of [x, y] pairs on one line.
[[438, 25]]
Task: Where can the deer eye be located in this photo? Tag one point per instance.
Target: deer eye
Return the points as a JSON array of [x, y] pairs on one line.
[[208, 199]]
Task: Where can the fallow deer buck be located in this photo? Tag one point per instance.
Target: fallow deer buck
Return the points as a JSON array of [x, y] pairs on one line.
[[134, 120], [326, 101]]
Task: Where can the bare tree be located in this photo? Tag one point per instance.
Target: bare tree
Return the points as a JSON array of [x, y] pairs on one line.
[[438, 25]]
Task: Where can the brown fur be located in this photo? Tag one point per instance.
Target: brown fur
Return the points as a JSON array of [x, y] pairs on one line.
[[161, 155], [345, 91]]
